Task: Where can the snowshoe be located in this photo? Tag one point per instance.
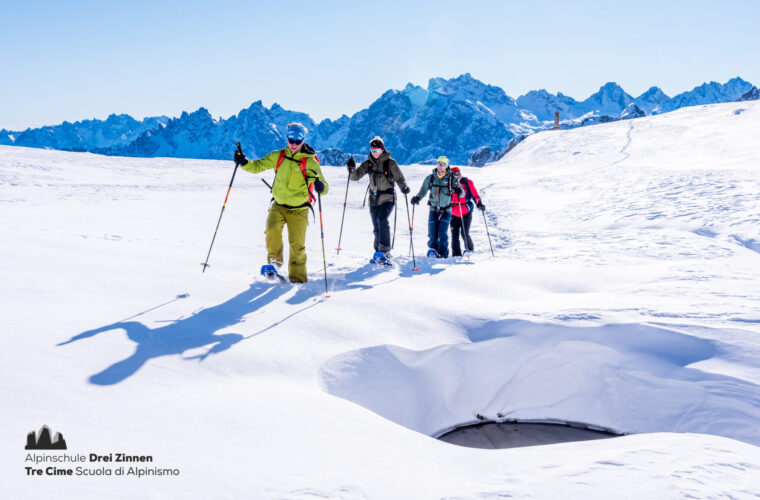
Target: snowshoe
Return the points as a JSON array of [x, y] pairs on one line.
[[432, 253], [467, 254], [270, 272], [380, 258]]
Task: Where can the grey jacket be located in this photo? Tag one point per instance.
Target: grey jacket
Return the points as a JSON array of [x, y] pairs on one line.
[[383, 173], [440, 189]]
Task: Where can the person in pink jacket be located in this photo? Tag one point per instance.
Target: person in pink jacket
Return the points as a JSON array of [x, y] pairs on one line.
[[461, 213]]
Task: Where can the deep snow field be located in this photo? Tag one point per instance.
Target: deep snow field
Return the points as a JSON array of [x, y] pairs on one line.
[[624, 295]]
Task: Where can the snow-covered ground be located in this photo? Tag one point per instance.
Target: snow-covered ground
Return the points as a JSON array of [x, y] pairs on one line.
[[623, 295]]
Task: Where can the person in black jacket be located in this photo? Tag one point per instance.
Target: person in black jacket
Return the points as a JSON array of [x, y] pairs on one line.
[[383, 172]]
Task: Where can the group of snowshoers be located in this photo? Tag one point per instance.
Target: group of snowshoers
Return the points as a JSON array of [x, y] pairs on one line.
[[298, 175]]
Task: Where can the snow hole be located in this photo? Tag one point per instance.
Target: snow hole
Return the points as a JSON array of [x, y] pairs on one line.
[[613, 379]]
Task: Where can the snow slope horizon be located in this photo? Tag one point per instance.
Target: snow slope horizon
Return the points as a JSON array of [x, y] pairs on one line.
[[649, 223]]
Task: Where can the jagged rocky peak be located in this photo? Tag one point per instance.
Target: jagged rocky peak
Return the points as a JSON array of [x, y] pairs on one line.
[[752, 94], [632, 111], [255, 111], [650, 99], [480, 157], [544, 104], [114, 119], [609, 100], [736, 83], [610, 93], [707, 93], [335, 157], [416, 94], [654, 94], [282, 117], [201, 115], [467, 87]]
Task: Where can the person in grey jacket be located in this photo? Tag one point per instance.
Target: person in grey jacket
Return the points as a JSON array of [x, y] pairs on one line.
[[383, 172], [441, 183]]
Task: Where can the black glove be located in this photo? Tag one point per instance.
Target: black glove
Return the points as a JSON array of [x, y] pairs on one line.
[[481, 207], [319, 186], [351, 164], [405, 190], [240, 158], [415, 200]]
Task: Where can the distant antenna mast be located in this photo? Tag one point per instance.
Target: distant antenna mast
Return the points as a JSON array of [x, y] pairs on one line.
[[556, 121]]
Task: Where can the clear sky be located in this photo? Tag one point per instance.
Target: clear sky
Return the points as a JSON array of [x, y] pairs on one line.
[[73, 60]]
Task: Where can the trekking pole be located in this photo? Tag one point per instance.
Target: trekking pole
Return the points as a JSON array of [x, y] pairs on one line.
[[345, 200], [410, 240], [489, 234], [465, 231], [411, 231], [395, 211], [322, 231], [206, 264]]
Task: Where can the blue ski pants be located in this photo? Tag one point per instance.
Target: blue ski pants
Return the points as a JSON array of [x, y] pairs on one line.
[[438, 231]]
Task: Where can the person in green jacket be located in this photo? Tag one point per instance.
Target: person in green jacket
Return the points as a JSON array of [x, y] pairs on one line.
[[296, 173], [441, 183]]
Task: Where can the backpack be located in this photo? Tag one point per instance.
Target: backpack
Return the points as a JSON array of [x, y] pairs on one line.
[[468, 195], [309, 185], [431, 177], [302, 164]]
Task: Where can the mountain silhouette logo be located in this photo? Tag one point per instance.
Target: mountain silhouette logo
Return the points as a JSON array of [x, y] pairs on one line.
[[43, 440]]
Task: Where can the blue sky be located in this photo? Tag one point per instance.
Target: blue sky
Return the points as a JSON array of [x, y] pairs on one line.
[[86, 59]]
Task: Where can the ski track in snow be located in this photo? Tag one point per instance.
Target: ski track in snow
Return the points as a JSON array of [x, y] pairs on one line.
[[623, 295]]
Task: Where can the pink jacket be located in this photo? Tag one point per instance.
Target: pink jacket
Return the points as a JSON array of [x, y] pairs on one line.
[[459, 203]]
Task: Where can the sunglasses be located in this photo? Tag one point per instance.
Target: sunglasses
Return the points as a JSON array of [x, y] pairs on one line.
[[441, 164], [375, 150], [295, 141]]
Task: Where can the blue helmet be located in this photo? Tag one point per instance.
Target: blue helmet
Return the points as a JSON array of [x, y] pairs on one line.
[[296, 132]]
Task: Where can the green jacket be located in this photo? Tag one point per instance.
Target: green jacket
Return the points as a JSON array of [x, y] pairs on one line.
[[440, 189], [289, 187]]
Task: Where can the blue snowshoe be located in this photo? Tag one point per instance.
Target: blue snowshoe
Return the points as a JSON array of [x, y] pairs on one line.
[[467, 254], [432, 253], [270, 272], [380, 258]]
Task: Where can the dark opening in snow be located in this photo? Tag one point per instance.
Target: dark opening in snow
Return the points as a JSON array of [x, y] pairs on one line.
[[495, 435]]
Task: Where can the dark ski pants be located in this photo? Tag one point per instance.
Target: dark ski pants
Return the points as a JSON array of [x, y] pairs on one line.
[[380, 227], [461, 224], [438, 231]]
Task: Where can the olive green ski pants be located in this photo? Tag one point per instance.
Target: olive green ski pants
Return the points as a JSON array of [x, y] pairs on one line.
[[297, 219]]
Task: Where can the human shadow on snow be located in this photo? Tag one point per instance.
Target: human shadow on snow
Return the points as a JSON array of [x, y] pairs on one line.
[[194, 331], [198, 329]]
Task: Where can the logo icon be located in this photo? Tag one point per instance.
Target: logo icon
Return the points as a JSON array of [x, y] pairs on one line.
[[43, 440]]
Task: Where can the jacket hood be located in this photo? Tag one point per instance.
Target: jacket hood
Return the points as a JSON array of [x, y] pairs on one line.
[[305, 150]]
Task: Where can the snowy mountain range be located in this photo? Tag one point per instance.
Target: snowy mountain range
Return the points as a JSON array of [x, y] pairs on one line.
[[86, 135], [463, 118]]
